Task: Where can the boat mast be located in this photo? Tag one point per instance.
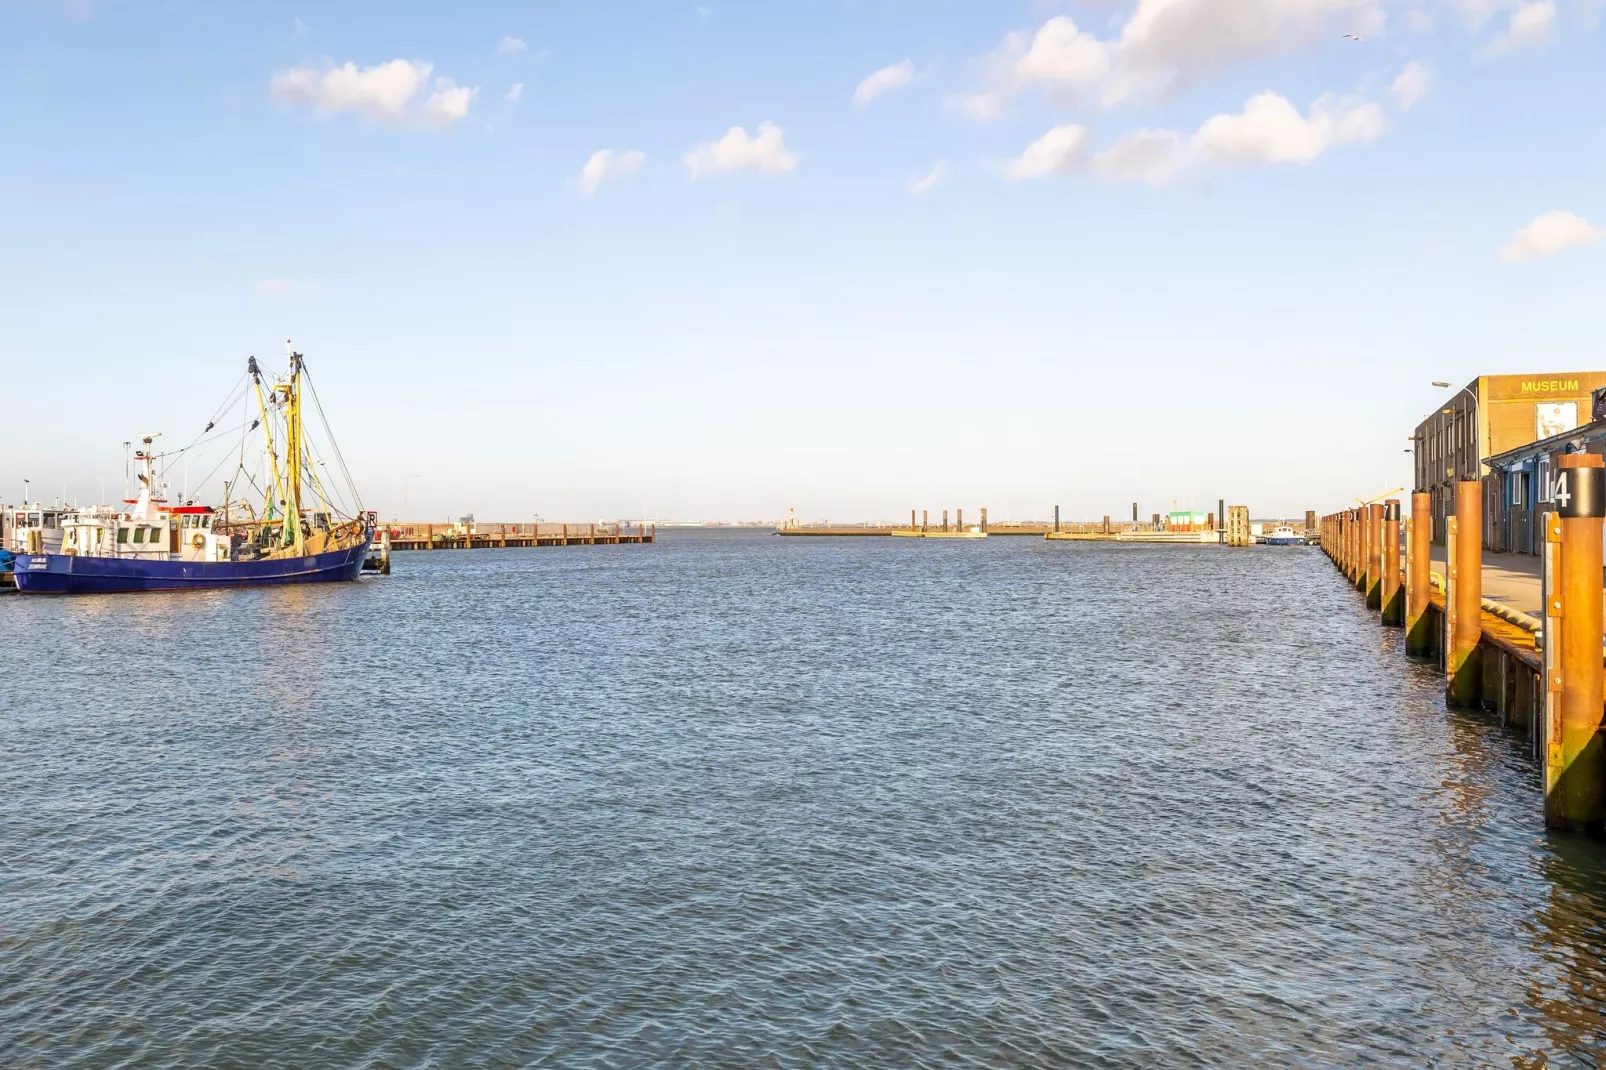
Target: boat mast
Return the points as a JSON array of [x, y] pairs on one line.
[[292, 448], [273, 491]]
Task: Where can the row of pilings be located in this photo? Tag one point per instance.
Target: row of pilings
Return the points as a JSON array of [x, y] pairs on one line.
[[1554, 668]]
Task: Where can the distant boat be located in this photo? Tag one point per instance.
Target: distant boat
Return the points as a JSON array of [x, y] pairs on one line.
[[1283, 535], [297, 536]]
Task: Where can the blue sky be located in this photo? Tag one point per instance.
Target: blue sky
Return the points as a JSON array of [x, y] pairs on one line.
[[1164, 249]]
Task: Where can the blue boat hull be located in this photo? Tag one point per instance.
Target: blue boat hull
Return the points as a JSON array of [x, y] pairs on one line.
[[61, 574]]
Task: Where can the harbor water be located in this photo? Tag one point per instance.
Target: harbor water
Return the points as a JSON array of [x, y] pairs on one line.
[[738, 800]]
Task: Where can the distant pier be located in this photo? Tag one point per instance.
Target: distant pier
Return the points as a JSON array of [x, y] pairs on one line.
[[506, 536]]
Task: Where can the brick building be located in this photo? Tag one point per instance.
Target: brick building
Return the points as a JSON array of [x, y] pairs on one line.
[[1493, 415]]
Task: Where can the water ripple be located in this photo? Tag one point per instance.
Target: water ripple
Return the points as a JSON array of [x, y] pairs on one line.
[[736, 800]]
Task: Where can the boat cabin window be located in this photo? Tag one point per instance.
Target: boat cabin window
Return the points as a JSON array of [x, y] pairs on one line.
[[33, 520], [122, 535], [139, 534], [156, 535]]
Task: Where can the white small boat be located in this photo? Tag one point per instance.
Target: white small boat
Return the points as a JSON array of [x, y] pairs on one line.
[[1283, 535]]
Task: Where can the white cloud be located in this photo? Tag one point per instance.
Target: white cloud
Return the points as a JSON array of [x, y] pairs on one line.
[[893, 77], [514, 92], [605, 166], [1532, 23], [928, 183], [1411, 86], [737, 151], [1161, 45], [1550, 233], [1170, 41], [511, 44], [1065, 57], [1271, 130], [1153, 157], [447, 104], [298, 28], [391, 92], [1060, 151]]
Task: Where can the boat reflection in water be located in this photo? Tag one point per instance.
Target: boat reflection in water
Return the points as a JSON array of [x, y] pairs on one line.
[[302, 532]]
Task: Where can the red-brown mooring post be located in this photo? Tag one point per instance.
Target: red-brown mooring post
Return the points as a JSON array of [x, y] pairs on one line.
[[1357, 548], [1343, 542], [1374, 556], [1418, 562], [1572, 656], [1393, 602], [1463, 598]]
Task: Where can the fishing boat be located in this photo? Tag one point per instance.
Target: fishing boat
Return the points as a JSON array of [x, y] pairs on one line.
[[301, 533]]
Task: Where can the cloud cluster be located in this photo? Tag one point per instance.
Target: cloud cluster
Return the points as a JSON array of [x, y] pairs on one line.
[[605, 166], [1163, 45], [1269, 130], [737, 151], [398, 92], [1551, 233]]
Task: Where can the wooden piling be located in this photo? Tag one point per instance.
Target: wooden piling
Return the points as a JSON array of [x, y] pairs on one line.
[[1463, 598], [1573, 635], [984, 518], [1392, 603]]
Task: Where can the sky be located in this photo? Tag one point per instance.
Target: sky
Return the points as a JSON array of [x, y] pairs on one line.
[[590, 260]]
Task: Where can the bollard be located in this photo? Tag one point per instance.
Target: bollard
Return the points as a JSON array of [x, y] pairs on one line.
[[1463, 597], [1392, 601], [1573, 634], [1418, 563], [1374, 556]]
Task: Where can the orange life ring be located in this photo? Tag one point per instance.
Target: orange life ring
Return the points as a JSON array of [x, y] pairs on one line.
[[198, 540]]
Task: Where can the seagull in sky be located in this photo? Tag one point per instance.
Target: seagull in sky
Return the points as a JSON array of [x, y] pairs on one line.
[[1352, 37]]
